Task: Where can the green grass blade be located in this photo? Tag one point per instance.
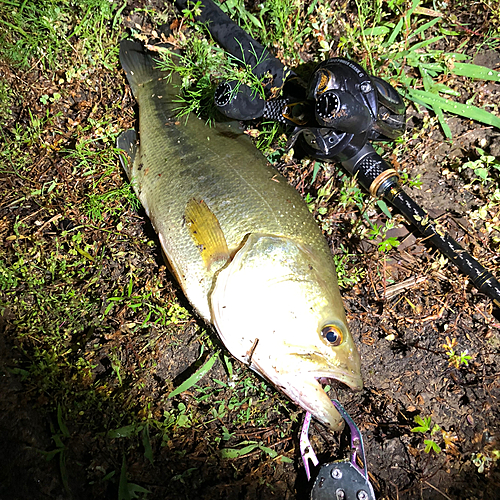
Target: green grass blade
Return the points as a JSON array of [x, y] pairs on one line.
[[311, 7], [123, 432], [317, 166], [62, 425], [394, 34], [123, 493], [385, 209], [412, 50], [444, 89], [230, 453], [64, 472], [442, 122], [268, 451], [426, 43], [429, 99], [426, 26], [377, 30], [475, 71], [414, 5], [146, 442], [195, 377], [458, 57]]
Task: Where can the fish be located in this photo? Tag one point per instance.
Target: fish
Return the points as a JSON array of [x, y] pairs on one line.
[[240, 241]]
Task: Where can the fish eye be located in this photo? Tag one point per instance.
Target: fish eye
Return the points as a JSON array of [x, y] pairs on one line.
[[332, 334]]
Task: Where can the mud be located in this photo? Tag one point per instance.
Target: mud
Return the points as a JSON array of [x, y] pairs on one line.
[[408, 305]]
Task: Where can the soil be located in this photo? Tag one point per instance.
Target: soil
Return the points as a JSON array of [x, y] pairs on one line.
[[407, 306]]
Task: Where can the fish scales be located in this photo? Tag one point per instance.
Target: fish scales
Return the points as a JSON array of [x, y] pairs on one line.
[[185, 172], [235, 181]]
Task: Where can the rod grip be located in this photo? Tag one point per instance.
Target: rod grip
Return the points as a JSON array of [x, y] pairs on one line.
[[372, 171]]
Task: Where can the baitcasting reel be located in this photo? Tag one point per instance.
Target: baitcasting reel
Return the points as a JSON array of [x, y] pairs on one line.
[[341, 102]]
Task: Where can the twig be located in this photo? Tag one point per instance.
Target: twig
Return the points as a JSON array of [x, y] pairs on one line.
[[438, 490], [397, 288]]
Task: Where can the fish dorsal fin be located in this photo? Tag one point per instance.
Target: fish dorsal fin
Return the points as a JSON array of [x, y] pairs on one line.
[[206, 232], [128, 142]]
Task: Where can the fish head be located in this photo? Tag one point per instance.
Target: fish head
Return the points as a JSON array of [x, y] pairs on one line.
[[277, 307]]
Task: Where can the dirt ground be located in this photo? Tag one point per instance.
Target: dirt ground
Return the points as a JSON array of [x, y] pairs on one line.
[[407, 306]]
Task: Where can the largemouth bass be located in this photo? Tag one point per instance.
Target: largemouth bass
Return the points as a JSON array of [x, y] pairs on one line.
[[241, 242]]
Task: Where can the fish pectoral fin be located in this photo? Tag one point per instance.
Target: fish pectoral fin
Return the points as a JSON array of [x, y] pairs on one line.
[[206, 232], [127, 141]]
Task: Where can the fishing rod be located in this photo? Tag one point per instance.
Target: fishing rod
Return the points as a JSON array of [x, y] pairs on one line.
[[333, 117]]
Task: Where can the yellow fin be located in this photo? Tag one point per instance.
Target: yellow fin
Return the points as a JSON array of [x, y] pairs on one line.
[[206, 232]]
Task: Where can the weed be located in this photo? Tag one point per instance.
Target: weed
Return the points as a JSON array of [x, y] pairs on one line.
[[240, 400], [485, 461], [116, 366], [196, 377], [39, 290], [283, 24], [266, 140], [351, 194], [110, 204], [407, 41], [6, 102], [448, 438], [488, 213], [247, 447], [59, 437], [178, 417], [348, 274], [193, 10], [456, 359], [186, 476], [380, 232], [127, 490], [49, 33], [149, 303], [424, 426], [413, 182], [201, 66], [484, 168]]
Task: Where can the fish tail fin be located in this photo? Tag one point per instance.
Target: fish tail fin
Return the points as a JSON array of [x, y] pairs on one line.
[[137, 64]]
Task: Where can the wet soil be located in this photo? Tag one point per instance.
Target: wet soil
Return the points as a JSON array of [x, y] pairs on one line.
[[408, 305]]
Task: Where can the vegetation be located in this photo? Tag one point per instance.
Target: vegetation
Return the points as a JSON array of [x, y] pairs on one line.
[[91, 321]]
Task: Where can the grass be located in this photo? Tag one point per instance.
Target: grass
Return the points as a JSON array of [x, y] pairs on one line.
[[286, 25], [51, 32], [409, 38], [88, 310], [202, 65], [72, 206], [393, 35]]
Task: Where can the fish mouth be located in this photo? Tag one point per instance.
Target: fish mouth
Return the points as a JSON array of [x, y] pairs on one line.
[[344, 369], [310, 395], [320, 405], [323, 409], [306, 390], [353, 381]]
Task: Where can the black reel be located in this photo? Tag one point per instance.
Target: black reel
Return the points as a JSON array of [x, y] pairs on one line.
[[340, 109], [351, 108]]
